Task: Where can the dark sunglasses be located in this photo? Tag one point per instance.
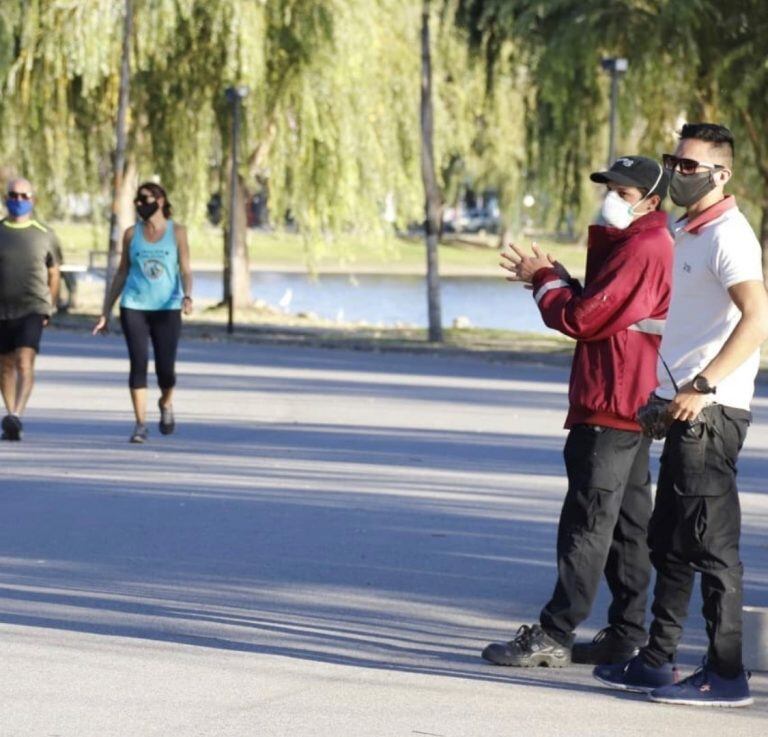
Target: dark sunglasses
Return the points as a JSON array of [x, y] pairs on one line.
[[686, 166], [19, 195], [144, 199]]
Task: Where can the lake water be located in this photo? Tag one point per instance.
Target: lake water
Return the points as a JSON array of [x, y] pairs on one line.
[[389, 300]]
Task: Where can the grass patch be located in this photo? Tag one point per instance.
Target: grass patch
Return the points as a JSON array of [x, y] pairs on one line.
[[347, 252], [266, 323]]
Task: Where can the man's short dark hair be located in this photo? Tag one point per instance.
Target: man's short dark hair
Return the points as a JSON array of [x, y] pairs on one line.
[[720, 138]]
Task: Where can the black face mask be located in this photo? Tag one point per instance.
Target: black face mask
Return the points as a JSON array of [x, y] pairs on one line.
[[147, 209], [686, 190]]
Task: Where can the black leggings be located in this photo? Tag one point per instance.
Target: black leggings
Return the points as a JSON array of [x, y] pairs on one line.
[[164, 328]]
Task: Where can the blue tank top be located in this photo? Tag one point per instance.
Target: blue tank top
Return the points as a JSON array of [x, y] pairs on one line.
[[154, 280]]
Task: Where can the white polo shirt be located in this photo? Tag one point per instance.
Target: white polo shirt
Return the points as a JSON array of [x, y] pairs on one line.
[[713, 252]]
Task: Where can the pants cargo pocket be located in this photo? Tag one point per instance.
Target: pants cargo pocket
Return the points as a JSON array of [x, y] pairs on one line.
[[703, 462], [597, 457], [686, 453], [735, 425], [597, 464]]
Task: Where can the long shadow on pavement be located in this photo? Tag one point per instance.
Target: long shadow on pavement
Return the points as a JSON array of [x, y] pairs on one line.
[[381, 547]]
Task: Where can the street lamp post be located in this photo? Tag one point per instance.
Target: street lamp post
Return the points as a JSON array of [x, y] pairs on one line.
[[616, 67], [235, 97]]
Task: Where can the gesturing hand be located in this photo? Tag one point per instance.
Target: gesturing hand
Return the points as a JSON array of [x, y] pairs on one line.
[[522, 266]]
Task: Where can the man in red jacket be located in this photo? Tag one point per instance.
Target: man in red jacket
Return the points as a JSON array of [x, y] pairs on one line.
[[617, 318]]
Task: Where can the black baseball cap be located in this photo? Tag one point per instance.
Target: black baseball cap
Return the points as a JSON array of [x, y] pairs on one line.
[[635, 171]]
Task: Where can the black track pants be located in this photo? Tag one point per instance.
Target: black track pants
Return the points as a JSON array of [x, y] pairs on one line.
[[163, 327]]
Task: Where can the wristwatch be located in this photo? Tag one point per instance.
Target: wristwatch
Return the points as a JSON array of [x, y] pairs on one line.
[[702, 386]]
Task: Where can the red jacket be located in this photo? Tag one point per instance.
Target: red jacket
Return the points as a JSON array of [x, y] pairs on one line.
[[617, 319]]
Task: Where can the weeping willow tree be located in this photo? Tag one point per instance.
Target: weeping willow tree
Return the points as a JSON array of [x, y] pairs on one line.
[[480, 126], [327, 125], [702, 61], [188, 53], [564, 100], [330, 127], [57, 101], [741, 83], [694, 61]]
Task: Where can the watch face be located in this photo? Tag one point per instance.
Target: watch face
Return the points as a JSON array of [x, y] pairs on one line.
[[700, 384]]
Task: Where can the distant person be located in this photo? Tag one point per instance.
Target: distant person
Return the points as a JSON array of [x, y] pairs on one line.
[[214, 208], [69, 280], [717, 321], [29, 286], [617, 318], [155, 281]]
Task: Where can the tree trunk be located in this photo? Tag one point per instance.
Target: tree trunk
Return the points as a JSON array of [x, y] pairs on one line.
[[764, 239], [242, 296], [118, 161], [506, 236], [126, 209], [242, 274], [431, 190]]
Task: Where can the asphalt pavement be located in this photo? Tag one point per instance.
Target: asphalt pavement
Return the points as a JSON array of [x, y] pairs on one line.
[[322, 549]]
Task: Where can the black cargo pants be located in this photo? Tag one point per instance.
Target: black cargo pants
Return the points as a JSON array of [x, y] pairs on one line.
[[696, 526], [603, 529]]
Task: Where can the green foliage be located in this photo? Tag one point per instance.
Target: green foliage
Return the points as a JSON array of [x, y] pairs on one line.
[[330, 124], [688, 60], [331, 121], [348, 252]]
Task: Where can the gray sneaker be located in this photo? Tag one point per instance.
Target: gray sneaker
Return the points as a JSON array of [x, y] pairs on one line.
[[140, 434], [167, 422], [531, 647]]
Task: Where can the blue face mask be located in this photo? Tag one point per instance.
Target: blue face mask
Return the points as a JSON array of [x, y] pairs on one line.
[[17, 208]]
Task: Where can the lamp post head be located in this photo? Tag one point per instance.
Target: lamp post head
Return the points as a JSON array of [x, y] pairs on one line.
[[237, 93], [618, 65]]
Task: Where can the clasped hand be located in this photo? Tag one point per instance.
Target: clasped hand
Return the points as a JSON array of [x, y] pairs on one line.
[[523, 266]]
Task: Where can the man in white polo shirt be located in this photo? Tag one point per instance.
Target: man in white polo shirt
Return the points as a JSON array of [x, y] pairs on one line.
[[718, 318]]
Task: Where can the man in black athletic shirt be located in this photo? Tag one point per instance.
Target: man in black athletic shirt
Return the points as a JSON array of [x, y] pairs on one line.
[[29, 285]]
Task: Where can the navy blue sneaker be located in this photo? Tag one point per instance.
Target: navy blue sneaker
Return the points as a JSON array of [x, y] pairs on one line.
[[705, 688], [635, 675]]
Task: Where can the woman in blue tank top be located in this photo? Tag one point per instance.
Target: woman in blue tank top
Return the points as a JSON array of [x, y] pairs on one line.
[[155, 281]]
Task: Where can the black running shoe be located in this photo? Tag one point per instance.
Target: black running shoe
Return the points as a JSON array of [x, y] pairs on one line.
[[167, 422], [140, 434], [607, 648], [12, 427], [531, 647]]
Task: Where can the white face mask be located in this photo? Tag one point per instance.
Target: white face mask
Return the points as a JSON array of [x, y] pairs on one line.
[[617, 212]]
